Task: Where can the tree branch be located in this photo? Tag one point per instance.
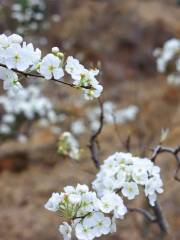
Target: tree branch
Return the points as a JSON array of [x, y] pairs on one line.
[[160, 219], [93, 145], [145, 213], [28, 74], [127, 143], [173, 151]]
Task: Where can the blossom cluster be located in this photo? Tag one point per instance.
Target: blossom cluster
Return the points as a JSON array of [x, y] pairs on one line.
[[16, 56], [69, 146], [86, 216], [29, 104], [83, 78], [28, 14], [168, 60], [125, 174], [112, 114]]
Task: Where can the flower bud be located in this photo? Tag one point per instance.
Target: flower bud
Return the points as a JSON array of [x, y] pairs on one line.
[[55, 50]]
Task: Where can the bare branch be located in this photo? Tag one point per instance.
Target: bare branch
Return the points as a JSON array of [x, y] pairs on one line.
[[160, 219], [145, 213], [127, 143], [173, 151], [29, 74], [93, 145], [157, 218]]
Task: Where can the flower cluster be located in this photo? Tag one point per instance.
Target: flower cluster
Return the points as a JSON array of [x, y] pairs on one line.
[[69, 146], [168, 60], [124, 173], [28, 14], [87, 217], [111, 114], [83, 78], [17, 56], [29, 104]]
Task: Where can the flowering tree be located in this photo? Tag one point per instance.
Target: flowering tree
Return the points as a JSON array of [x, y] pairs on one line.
[[87, 214]]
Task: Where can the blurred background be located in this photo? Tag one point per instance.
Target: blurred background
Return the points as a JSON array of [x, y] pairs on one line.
[[119, 36]]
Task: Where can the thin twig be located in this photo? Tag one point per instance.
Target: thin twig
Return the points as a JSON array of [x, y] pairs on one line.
[[28, 74], [160, 219], [93, 145], [127, 143], [145, 213], [173, 151]]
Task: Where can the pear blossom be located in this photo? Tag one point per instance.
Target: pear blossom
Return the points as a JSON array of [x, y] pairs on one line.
[[78, 127], [125, 174], [16, 58], [28, 16], [23, 58], [111, 112], [15, 38], [69, 146], [65, 229], [84, 231], [73, 67], [168, 60], [5, 41], [130, 190], [53, 203], [10, 80], [88, 216], [51, 67], [84, 78], [28, 102]]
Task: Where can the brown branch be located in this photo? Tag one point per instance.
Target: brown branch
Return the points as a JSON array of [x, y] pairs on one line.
[[145, 213], [173, 151], [28, 74], [157, 218], [127, 143], [157, 208], [160, 219], [93, 145]]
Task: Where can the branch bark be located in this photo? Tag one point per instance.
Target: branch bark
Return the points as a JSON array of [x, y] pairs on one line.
[[93, 145], [30, 74], [173, 151]]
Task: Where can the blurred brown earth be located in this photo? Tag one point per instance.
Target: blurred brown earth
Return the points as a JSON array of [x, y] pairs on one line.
[[121, 35]]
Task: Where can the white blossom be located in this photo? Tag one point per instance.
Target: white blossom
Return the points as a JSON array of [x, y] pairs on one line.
[[125, 173], [53, 202], [23, 58], [10, 80], [27, 103], [73, 67], [66, 230], [89, 216], [51, 67], [69, 146], [130, 190], [78, 127], [168, 60]]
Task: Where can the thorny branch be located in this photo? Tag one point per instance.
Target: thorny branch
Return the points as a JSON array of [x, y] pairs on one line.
[[29, 74], [93, 145]]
